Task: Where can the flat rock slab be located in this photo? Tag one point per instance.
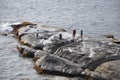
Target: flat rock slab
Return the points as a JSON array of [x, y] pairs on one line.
[[56, 65], [108, 71]]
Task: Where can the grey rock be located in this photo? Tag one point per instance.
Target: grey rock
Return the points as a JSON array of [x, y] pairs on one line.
[[52, 64], [26, 51]]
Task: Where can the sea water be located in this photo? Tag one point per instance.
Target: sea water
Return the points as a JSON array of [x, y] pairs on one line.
[[95, 17]]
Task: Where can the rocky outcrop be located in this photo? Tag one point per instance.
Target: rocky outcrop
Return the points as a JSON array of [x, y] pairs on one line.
[[112, 39], [56, 65], [17, 26], [26, 51], [106, 71], [66, 56], [110, 70]]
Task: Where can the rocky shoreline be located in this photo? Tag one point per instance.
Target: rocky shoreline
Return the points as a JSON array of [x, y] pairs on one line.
[[81, 59]]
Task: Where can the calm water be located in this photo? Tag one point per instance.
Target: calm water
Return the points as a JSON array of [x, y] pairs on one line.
[[12, 66], [95, 17]]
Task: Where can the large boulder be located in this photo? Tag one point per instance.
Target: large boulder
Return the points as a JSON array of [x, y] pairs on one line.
[[17, 26], [26, 51], [107, 52], [38, 54], [112, 39], [32, 41], [37, 37], [51, 64], [108, 71]]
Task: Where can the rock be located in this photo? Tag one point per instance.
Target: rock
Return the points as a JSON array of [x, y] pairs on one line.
[[23, 31], [115, 41], [53, 55], [32, 41], [109, 70], [78, 52], [45, 40], [109, 36], [100, 53], [26, 51], [61, 78], [34, 29], [43, 37], [42, 29], [5, 34], [92, 64], [52, 47], [108, 52], [51, 64], [112, 39], [38, 54], [78, 78], [30, 37], [17, 26], [71, 52]]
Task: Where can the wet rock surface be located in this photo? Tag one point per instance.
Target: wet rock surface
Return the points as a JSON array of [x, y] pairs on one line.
[[82, 59]]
